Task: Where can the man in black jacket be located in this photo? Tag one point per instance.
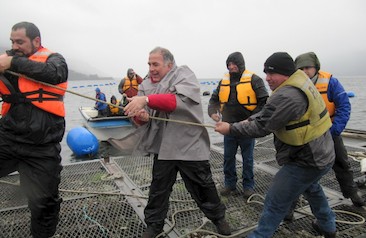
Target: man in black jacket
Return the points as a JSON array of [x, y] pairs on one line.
[[33, 124], [239, 94]]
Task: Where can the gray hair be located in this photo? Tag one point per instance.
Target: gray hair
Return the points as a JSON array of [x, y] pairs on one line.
[[167, 55]]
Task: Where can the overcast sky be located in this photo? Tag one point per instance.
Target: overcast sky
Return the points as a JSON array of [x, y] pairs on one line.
[[108, 37]]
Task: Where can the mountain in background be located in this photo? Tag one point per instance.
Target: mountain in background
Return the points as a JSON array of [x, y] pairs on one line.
[[350, 64], [78, 69], [73, 75]]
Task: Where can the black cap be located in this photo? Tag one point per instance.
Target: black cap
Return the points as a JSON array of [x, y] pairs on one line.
[[281, 63]]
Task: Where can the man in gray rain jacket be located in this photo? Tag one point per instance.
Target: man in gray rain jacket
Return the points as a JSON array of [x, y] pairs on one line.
[[173, 93]]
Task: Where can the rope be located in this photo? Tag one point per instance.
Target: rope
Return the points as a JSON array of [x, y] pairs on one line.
[[101, 193], [302, 211], [62, 89], [111, 104], [199, 229], [86, 217], [183, 122]]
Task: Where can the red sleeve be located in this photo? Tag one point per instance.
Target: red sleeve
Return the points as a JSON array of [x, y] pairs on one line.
[[163, 102]]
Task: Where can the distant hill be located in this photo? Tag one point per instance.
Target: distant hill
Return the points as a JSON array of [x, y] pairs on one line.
[[74, 75], [345, 64]]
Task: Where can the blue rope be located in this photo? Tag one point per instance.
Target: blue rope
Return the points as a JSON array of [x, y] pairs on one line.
[[86, 217]]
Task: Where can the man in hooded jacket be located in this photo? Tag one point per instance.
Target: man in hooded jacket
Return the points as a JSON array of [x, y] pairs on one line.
[[239, 94], [100, 106], [339, 107]]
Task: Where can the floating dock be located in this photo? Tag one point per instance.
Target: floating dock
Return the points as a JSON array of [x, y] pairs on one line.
[[106, 198]]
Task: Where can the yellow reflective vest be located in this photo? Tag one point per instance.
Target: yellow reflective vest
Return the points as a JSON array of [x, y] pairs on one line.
[[314, 123], [245, 93]]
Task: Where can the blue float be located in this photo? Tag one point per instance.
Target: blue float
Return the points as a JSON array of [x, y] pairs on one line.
[[82, 142], [350, 94]]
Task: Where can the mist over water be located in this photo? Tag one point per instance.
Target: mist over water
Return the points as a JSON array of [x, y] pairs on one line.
[[87, 88]]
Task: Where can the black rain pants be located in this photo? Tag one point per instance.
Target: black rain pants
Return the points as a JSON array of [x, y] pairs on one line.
[[39, 168], [342, 168], [198, 180]]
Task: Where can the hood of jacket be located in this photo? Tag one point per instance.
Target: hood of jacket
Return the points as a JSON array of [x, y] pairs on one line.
[[307, 60], [238, 59]]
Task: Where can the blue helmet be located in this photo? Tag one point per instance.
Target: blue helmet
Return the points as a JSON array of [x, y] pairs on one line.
[[97, 90]]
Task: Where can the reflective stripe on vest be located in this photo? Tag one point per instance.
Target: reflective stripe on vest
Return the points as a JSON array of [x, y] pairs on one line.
[[244, 91]]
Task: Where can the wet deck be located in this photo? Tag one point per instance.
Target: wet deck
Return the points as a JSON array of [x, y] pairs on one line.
[[107, 199]]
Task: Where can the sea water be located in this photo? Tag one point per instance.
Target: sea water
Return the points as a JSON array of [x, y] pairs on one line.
[[81, 93]]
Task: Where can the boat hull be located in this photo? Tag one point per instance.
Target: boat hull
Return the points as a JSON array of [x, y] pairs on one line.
[[115, 127]]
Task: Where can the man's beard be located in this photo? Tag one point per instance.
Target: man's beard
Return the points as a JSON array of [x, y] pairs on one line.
[[21, 53]]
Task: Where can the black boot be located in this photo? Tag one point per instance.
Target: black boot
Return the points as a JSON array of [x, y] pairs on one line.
[[321, 232], [357, 200], [223, 227], [150, 232]]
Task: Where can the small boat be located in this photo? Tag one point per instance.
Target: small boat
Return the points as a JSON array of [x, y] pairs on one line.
[[104, 128]]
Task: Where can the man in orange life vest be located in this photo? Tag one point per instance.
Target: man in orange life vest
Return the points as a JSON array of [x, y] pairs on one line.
[[33, 123], [129, 85]]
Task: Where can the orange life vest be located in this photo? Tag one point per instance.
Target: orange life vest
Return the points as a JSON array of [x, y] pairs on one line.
[[47, 98], [130, 83], [322, 85]]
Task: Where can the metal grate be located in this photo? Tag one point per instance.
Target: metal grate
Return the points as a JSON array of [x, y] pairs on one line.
[[82, 214], [87, 215]]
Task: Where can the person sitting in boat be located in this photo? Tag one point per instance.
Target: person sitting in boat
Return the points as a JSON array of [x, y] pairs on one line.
[[115, 111], [100, 106], [129, 85]]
